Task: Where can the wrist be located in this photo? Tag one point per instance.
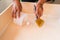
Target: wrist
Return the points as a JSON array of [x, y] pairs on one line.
[[16, 1], [39, 5], [41, 2]]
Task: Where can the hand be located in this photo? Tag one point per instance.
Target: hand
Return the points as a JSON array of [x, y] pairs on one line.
[[39, 10], [16, 9]]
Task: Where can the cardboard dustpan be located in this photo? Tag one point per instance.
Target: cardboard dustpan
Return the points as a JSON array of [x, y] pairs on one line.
[[39, 22]]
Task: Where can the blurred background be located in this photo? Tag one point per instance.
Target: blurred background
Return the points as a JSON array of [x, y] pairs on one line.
[[5, 3], [50, 30]]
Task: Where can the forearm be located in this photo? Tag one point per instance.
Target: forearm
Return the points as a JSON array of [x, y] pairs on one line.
[[16, 1], [41, 2]]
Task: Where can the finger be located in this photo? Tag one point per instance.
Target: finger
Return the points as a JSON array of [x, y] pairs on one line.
[[15, 12], [40, 12], [15, 15], [12, 13], [36, 14], [18, 13]]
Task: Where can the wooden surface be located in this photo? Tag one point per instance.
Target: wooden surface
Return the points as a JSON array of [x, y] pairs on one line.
[[5, 18], [50, 30]]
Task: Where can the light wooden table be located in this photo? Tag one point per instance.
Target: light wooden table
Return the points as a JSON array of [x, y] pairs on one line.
[[50, 30]]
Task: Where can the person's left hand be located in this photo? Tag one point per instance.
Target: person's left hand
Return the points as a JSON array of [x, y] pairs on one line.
[[16, 9]]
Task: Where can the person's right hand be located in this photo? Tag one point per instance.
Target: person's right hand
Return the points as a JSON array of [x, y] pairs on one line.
[[16, 9], [39, 11]]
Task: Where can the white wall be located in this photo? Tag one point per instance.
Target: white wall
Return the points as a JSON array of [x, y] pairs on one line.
[[4, 4]]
